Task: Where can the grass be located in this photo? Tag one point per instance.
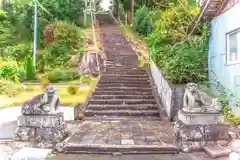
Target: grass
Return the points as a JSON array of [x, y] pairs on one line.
[[65, 98]]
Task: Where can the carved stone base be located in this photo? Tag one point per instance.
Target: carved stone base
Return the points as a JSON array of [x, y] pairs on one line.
[[46, 130], [200, 118], [194, 137]]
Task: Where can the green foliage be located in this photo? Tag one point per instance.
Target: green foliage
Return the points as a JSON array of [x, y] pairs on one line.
[[3, 15], [30, 68], [68, 40], [59, 74], [142, 22], [43, 80], [183, 62], [9, 88], [72, 90], [173, 24], [10, 70], [181, 58], [85, 79], [21, 51]]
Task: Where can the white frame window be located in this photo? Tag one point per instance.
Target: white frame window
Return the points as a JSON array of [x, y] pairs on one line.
[[233, 47]]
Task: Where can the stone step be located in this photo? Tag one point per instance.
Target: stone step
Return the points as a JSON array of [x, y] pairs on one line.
[[122, 70], [123, 82], [76, 148], [126, 75], [119, 78], [121, 93], [122, 102], [135, 89], [92, 113], [144, 85], [122, 107], [216, 151], [111, 97]]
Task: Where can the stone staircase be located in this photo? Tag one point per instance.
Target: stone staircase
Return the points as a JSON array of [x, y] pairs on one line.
[[122, 114], [128, 92]]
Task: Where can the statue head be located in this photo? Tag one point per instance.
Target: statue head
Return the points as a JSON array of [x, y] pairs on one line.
[[50, 90], [192, 87]]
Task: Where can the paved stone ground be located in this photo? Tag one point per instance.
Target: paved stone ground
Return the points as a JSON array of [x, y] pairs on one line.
[[124, 132], [181, 156]]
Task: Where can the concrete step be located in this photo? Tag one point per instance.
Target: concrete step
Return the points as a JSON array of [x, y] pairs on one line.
[[122, 102], [135, 89], [122, 107], [76, 148], [111, 97], [121, 93], [92, 113]]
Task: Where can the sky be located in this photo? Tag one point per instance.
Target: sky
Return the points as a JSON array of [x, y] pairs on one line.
[[105, 4]]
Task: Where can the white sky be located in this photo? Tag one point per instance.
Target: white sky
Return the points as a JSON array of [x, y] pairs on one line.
[[105, 4]]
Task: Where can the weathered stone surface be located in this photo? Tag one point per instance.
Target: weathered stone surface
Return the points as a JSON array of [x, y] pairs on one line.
[[41, 120], [234, 145], [92, 63], [234, 156], [215, 151], [31, 153], [200, 118]]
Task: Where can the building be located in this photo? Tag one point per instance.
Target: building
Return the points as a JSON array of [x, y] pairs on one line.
[[224, 47]]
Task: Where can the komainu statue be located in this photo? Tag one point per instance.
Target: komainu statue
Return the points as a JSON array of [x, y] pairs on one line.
[[196, 101], [42, 104]]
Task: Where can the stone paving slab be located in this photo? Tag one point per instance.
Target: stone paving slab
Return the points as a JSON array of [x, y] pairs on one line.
[[123, 134], [180, 156]]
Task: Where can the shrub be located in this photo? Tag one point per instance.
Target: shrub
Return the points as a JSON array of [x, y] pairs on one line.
[[58, 74], [21, 51], [30, 68], [68, 40], [10, 70], [55, 75], [142, 22], [85, 79], [73, 89], [43, 80], [9, 88]]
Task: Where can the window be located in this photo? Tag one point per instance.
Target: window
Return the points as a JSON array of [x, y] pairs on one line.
[[233, 47]]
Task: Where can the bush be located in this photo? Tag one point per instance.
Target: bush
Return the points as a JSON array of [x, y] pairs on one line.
[[185, 61], [58, 74], [10, 70], [142, 22], [73, 89], [21, 51], [43, 80], [68, 40], [9, 88], [30, 68]]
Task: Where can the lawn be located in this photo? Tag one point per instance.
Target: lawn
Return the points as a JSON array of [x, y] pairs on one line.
[[65, 98]]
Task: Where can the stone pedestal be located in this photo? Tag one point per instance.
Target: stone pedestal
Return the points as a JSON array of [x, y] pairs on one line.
[[45, 129], [194, 130]]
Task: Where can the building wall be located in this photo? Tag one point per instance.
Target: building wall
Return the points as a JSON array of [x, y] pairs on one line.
[[228, 75]]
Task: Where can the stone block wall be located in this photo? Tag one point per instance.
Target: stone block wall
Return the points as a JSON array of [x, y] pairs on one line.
[[171, 95]]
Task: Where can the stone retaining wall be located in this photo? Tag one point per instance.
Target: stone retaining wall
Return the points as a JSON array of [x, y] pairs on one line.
[[171, 95]]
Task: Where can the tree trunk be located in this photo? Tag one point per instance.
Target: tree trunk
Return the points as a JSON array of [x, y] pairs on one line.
[[131, 12]]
